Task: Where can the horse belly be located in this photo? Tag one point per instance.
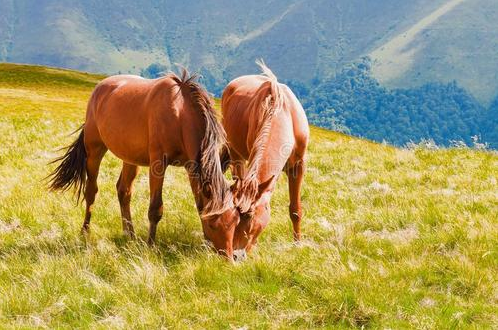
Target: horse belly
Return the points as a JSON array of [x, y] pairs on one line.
[[123, 127]]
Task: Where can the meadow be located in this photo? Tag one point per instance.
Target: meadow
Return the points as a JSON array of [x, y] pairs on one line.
[[393, 238]]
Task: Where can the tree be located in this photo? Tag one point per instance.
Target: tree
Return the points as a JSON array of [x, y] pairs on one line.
[[155, 70], [442, 112]]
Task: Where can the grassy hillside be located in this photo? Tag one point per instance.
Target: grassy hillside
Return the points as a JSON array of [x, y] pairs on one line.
[[392, 238]]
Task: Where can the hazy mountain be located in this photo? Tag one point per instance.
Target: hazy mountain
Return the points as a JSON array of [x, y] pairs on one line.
[[300, 40], [458, 41]]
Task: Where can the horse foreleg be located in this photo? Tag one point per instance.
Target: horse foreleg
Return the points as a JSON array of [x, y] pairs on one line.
[[295, 176], [194, 184], [124, 187], [156, 180]]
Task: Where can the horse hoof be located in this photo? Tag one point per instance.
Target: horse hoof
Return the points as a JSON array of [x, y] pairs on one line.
[[85, 231]]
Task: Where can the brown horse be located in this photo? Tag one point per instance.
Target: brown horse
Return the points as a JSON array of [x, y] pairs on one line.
[[267, 132], [155, 123]]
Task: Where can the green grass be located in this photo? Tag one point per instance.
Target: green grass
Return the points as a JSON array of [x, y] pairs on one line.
[[392, 238]]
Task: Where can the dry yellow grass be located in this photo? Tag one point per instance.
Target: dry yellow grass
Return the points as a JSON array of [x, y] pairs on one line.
[[392, 238]]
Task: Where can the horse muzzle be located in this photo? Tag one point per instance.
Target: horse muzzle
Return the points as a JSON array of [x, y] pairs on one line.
[[239, 255]]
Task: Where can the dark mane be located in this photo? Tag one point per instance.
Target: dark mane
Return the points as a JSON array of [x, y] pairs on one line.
[[213, 183]]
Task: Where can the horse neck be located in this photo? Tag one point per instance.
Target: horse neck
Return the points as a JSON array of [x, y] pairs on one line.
[[205, 156], [268, 155], [265, 161]]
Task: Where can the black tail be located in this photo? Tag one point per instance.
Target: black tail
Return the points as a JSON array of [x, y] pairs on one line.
[[71, 172]]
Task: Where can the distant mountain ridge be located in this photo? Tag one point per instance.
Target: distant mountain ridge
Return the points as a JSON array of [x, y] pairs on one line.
[[458, 41], [300, 40]]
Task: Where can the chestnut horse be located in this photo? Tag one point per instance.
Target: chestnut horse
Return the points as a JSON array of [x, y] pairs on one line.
[[267, 132], [155, 123]]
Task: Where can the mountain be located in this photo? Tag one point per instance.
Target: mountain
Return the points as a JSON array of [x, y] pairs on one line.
[[458, 41], [300, 40]]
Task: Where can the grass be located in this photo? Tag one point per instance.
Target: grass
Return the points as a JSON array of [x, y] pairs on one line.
[[393, 238]]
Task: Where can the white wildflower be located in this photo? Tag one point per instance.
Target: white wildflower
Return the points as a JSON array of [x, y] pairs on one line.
[[352, 266], [402, 236], [427, 302], [380, 187], [113, 322], [478, 144], [9, 227], [51, 234], [325, 224]]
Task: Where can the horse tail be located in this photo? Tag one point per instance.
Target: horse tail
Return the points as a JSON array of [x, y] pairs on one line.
[[71, 172], [266, 70], [271, 104], [274, 100]]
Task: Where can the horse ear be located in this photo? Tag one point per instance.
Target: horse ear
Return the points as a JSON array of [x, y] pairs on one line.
[[262, 187]]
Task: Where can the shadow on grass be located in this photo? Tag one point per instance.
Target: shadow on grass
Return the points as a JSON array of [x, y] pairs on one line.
[[171, 247]]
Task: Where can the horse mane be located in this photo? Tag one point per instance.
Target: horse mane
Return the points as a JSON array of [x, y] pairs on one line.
[[247, 189], [208, 168]]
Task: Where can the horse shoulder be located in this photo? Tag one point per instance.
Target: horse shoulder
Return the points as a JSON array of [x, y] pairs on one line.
[[164, 98]]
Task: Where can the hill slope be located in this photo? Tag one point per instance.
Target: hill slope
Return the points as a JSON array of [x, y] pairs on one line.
[[299, 39], [394, 238], [455, 42]]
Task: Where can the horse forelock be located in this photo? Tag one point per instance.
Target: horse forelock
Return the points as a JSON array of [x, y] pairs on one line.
[[209, 169]]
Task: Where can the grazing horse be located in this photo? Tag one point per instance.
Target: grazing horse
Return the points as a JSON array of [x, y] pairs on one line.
[[155, 123], [267, 132]]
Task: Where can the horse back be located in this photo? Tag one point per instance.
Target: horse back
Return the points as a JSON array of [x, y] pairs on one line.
[[241, 106], [131, 114]]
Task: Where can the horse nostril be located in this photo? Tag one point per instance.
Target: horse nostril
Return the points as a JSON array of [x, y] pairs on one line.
[[239, 255]]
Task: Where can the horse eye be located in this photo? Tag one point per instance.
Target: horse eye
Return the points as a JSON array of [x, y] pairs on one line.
[[212, 222], [213, 225]]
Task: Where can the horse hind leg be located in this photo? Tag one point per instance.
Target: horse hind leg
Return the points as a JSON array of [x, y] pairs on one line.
[[95, 153], [124, 188]]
